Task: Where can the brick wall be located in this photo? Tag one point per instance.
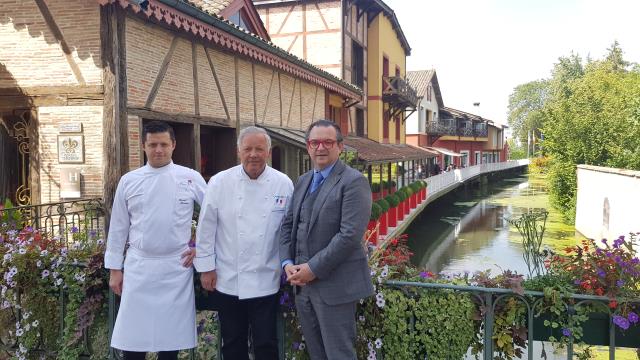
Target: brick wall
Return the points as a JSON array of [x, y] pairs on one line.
[[135, 151], [50, 118], [32, 55]]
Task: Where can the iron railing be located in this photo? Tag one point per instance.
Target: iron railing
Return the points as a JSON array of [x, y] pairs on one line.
[[444, 127], [61, 219], [489, 298]]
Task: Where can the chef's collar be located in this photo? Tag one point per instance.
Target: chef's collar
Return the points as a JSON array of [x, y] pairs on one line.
[[162, 169], [262, 177]]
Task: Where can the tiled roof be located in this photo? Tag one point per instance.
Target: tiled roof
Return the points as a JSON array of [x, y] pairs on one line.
[[212, 6], [420, 80], [371, 151], [459, 114]]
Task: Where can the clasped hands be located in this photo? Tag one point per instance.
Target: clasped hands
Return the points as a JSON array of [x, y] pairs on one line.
[[299, 275]]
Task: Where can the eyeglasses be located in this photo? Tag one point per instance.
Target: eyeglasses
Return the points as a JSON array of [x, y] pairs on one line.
[[328, 143]]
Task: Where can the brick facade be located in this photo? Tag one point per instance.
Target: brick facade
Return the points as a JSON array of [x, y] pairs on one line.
[[49, 118], [170, 75]]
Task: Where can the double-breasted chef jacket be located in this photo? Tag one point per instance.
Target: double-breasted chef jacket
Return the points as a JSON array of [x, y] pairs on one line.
[[237, 231], [152, 211]]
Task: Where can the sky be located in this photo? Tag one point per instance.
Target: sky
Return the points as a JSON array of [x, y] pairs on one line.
[[482, 49]]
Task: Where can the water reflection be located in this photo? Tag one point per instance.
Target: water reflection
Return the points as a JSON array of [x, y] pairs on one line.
[[468, 231]]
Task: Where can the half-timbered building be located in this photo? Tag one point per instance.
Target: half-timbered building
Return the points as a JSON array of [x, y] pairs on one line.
[[79, 79]]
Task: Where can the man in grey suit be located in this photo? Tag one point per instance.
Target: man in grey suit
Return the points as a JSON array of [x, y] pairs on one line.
[[321, 246]]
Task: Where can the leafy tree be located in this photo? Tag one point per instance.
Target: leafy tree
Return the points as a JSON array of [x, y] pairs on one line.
[[525, 109], [588, 114], [591, 119]]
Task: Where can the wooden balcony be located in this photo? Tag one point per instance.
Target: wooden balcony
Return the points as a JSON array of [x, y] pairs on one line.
[[397, 92]]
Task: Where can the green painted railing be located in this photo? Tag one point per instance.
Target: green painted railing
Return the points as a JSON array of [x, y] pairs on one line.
[[490, 297]]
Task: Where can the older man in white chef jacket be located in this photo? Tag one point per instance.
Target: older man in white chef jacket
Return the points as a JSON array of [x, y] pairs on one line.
[[152, 212], [237, 247]]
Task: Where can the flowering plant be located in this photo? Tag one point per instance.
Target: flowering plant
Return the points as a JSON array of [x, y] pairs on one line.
[[38, 273]]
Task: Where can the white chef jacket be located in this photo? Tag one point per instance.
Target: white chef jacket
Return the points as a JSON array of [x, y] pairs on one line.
[[237, 231], [152, 211]]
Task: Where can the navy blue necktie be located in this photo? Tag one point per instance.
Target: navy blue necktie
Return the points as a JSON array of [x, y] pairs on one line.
[[317, 180]]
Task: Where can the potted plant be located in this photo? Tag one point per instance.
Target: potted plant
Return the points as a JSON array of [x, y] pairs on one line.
[[385, 187], [407, 202], [372, 227], [384, 206], [392, 217], [414, 197], [375, 191]]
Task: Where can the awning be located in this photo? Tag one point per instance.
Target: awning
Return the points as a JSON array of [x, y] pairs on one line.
[[372, 152], [444, 151], [292, 137], [289, 136]]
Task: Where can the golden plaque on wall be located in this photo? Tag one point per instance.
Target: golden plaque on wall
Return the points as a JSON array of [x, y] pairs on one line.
[[70, 149]]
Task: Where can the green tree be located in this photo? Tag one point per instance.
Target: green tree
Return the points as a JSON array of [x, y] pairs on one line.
[[592, 118], [525, 109], [587, 113]]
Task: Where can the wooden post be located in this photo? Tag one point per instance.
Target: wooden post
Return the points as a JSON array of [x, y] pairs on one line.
[[115, 124]]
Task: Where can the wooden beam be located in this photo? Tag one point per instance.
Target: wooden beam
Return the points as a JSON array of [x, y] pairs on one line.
[[161, 73], [293, 43], [255, 105], [266, 104], [12, 102], [285, 19], [115, 121], [293, 91], [53, 90], [34, 157], [326, 26], [237, 88], [197, 153], [280, 97], [180, 118], [217, 81], [304, 31], [310, 32], [57, 33], [196, 93]]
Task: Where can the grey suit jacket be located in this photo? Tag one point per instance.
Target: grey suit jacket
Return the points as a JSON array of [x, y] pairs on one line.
[[338, 222]]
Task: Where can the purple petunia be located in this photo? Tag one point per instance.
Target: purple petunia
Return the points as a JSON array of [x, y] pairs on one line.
[[577, 282], [601, 273], [621, 321], [633, 317], [566, 332], [619, 283]]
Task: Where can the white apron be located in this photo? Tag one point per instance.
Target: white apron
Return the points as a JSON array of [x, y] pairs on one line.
[[156, 297], [157, 308]]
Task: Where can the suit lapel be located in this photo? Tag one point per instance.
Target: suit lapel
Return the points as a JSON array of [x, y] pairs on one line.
[[325, 190], [305, 182]]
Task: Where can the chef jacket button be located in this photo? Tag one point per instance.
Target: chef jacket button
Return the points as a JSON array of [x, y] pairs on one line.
[[261, 234], [264, 215], [266, 197]]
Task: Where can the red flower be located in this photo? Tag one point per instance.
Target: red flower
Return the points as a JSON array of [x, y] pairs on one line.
[[599, 291], [613, 304]]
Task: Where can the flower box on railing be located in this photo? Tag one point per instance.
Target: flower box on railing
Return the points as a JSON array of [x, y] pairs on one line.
[[595, 331]]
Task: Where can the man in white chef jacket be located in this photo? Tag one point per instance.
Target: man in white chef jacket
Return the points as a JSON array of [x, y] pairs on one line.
[[237, 247], [152, 212]]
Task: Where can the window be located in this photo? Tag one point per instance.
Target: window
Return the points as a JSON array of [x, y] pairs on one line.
[[357, 68], [359, 122], [240, 19]]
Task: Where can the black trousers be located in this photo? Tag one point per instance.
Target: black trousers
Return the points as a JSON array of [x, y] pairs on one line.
[[238, 316], [162, 355]]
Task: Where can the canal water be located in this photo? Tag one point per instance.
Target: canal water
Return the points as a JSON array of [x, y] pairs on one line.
[[467, 230]]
